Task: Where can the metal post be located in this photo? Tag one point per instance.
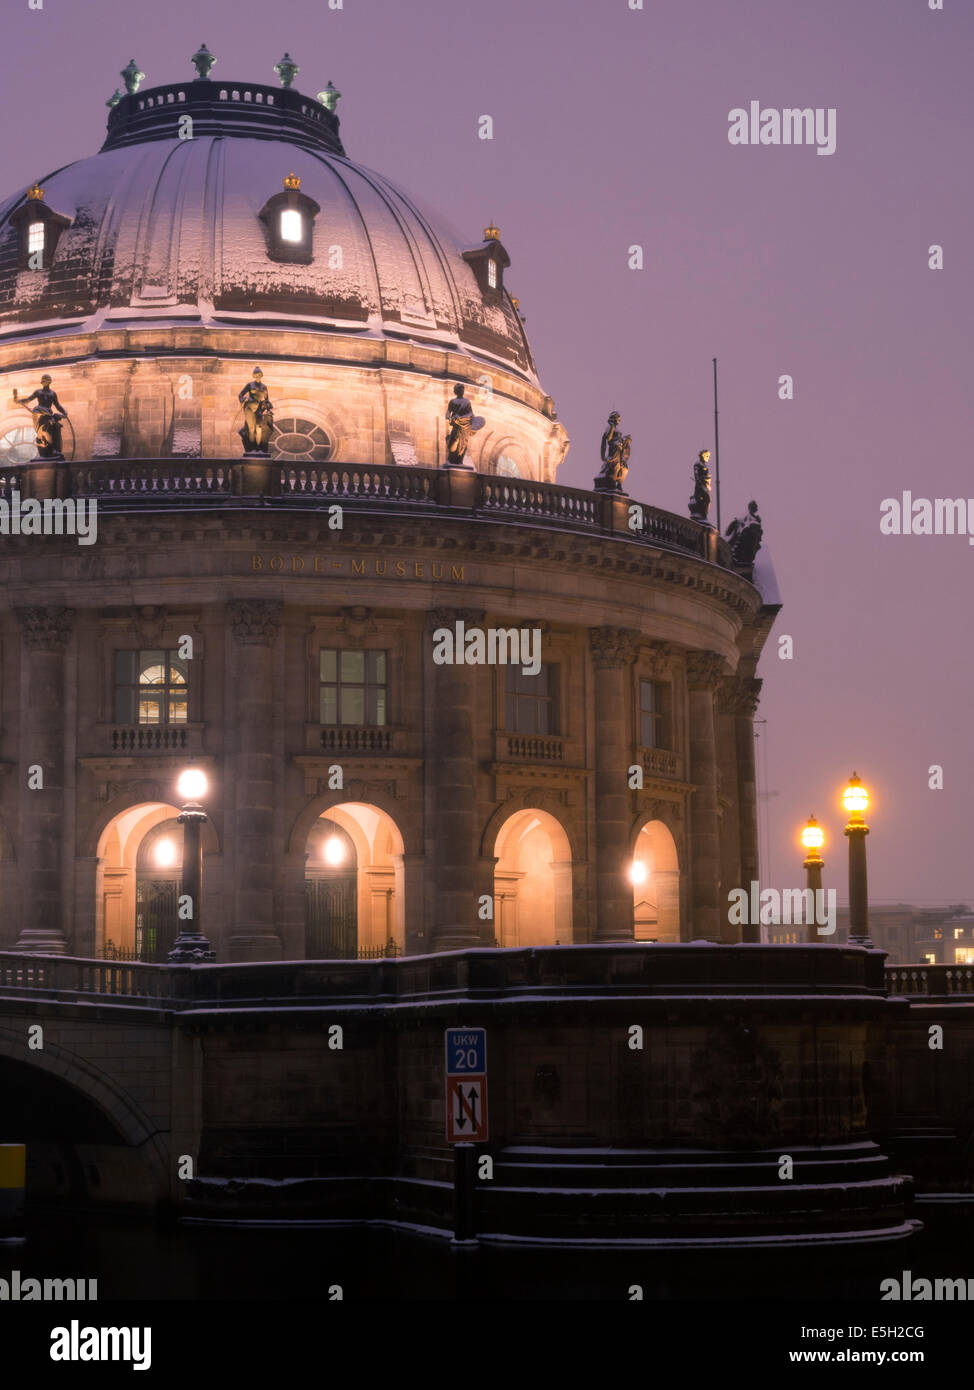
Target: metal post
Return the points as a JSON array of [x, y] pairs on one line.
[[464, 1186], [716, 453], [191, 946]]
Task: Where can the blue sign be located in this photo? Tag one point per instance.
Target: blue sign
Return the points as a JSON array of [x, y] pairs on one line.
[[466, 1051]]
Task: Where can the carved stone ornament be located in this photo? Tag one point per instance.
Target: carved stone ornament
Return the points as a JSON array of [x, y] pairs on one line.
[[255, 621], [656, 657], [449, 617], [356, 623], [739, 695], [46, 629], [705, 670], [148, 624], [612, 647]]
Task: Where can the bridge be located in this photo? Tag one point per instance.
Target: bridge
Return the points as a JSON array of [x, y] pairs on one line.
[[316, 1088]]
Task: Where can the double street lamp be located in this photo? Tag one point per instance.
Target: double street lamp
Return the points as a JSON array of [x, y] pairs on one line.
[[191, 946], [855, 799]]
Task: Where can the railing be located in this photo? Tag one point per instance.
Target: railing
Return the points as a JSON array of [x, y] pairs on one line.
[[180, 477], [70, 976], [386, 952], [348, 739], [398, 484], [530, 748], [149, 738], [119, 483], [660, 762], [930, 980]]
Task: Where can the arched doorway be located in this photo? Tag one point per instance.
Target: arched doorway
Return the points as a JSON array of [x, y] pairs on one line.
[[330, 882], [158, 871], [655, 874], [532, 881], [354, 898], [137, 881]]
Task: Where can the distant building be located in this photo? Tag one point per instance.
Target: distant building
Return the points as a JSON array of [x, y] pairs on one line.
[[910, 934]]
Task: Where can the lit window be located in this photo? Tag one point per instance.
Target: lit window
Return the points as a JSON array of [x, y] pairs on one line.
[[35, 237], [353, 687], [301, 441], [292, 228], [930, 959], [492, 273], [958, 933], [507, 466], [150, 687], [963, 956]]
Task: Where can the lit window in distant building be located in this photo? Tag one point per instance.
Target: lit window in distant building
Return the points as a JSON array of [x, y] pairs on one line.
[[937, 933], [35, 237], [354, 687], [292, 228], [930, 958], [492, 273], [958, 933], [151, 687], [963, 955], [654, 720], [530, 701]]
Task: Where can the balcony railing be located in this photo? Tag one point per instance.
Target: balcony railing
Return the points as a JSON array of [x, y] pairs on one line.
[[346, 738], [660, 762], [120, 484], [535, 748], [153, 738], [930, 980]]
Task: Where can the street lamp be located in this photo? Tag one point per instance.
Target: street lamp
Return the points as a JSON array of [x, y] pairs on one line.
[[855, 799], [813, 838], [191, 946]]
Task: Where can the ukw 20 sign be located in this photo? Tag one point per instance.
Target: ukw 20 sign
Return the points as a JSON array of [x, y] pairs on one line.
[[466, 1084]]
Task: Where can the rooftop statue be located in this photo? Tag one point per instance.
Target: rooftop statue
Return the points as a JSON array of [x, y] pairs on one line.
[[461, 422], [700, 501], [744, 534], [615, 457], [258, 415], [48, 412]]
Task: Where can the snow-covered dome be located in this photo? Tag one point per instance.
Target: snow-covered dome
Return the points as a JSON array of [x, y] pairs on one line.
[[178, 219]]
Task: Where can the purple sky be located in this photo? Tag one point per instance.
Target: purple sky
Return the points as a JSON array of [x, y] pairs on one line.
[[610, 128]]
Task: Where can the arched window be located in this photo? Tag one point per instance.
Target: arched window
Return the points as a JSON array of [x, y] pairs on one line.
[[300, 441], [151, 687], [18, 445], [507, 467]]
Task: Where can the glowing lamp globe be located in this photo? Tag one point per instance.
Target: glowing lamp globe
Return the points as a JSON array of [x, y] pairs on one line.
[[334, 851], [638, 873], [165, 854], [192, 784], [813, 836], [855, 798]]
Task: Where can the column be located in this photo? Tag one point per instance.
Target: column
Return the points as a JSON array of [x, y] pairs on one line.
[[459, 878], [45, 635], [749, 694], [704, 671], [253, 933], [728, 706], [613, 652]]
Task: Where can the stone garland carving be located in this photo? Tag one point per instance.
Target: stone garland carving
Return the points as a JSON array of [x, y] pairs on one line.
[[612, 647], [449, 617], [705, 670], [46, 629], [255, 621], [656, 657]]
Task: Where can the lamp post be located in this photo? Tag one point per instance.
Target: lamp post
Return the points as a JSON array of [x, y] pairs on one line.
[[191, 946], [855, 799], [813, 838]]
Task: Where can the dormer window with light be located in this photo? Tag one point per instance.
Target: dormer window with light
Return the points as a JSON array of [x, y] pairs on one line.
[[488, 263], [39, 229], [289, 217]]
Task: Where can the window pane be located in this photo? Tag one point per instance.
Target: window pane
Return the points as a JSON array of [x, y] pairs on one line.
[[377, 705], [125, 667], [35, 237], [177, 671], [648, 731], [150, 709], [291, 228], [125, 705], [509, 717], [177, 709], [353, 666], [377, 667], [329, 664], [353, 704], [152, 667], [543, 719], [329, 704], [647, 692]]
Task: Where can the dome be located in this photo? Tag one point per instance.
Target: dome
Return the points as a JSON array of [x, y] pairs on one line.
[[160, 227]]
